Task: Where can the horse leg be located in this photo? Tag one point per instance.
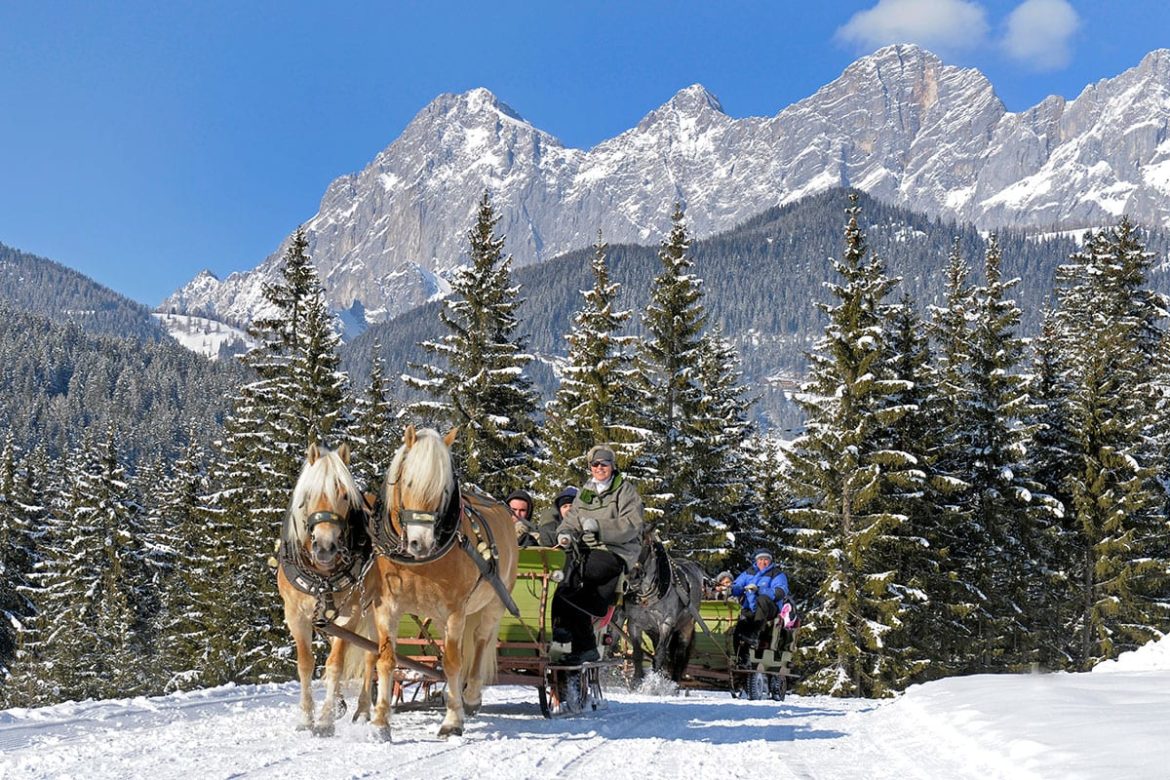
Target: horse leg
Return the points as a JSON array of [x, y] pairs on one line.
[[662, 646], [386, 622], [636, 651], [453, 668], [363, 705], [482, 631], [303, 635], [684, 644], [333, 664]]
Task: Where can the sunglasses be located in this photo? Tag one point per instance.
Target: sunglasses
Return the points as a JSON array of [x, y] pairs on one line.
[[597, 463]]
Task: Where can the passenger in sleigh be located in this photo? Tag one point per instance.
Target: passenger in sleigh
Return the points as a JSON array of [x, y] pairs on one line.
[[719, 589], [602, 529], [761, 591]]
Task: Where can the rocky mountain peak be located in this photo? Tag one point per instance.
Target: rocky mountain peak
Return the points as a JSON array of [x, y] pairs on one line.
[[694, 100], [899, 124]]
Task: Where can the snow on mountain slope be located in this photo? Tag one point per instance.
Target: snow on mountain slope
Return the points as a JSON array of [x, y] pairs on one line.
[[899, 124]]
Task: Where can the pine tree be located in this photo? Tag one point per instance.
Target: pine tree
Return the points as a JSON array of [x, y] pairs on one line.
[[297, 397], [181, 623], [375, 434], [17, 556], [92, 584], [670, 358], [726, 499], [30, 681], [483, 389], [920, 494], [1053, 462], [595, 402], [1109, 325], [1009, 509], [842, 473]]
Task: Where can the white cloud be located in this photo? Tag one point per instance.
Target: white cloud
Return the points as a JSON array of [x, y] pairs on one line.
[[940, 25], [1039, 33]]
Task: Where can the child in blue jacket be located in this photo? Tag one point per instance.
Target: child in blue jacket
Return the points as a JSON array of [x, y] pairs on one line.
[[760, 589]]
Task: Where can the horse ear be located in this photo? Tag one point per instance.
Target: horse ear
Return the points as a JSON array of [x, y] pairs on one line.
[[449, 439], [312, 454], [409, 436], [343, 453]]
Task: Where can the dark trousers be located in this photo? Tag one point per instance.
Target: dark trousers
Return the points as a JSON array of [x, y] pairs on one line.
[[750, 626], [587, 593]]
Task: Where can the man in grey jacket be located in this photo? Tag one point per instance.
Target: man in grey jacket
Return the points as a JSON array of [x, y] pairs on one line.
[[603, 528]]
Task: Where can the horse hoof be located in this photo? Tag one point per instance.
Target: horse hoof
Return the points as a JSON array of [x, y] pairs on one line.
[[325, 730], [381, 733], [304, 726], [361, 715], [340, 707], [447, 731], [470, 709]]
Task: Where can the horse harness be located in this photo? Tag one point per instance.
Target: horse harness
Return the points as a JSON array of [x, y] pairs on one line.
[[482, 549], [329, 590], [643, 590]]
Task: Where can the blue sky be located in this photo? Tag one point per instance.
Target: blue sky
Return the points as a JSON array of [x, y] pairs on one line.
[[144, 141]]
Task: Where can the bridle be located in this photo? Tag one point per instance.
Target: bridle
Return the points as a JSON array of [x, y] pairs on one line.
[[653, 588], [390, 536], [348, 567]]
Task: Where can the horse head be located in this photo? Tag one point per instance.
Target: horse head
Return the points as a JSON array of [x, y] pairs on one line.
[[420, 488], [324, 499]]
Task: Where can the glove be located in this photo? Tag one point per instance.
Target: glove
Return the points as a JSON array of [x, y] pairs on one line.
[[752, 588], [564, 540], [591, 539]]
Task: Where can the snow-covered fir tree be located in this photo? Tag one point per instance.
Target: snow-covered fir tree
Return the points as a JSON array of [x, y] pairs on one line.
[[1052, 458], [92, 595], [481, 387], [1001, 553], [1110, 332], [296, 398], [669, 359], [181, 623], [374, 433], [842, 472], [727, 502], [29, 681], [17, 556], [596, 401], [919, 493]]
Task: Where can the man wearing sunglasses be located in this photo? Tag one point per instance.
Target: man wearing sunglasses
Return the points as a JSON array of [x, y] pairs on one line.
[[603, 528]]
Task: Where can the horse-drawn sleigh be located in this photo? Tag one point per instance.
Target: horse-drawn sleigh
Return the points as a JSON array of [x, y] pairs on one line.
[[457, 605]]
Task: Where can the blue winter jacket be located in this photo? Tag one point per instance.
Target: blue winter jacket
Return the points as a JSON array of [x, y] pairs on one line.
[[770, 582]]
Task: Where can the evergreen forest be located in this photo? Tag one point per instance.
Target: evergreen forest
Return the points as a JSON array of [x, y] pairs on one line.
[[972, 477]]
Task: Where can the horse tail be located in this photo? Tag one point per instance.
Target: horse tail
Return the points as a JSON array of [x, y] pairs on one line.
[[353, 666]]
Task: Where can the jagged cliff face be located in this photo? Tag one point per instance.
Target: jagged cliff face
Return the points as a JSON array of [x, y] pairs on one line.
[[899, 124]]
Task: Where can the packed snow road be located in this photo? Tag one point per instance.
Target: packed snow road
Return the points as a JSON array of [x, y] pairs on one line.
[[1059, 726]]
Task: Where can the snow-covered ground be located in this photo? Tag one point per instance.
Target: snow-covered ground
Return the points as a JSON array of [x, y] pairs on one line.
[[1114, 723], [202, 335]]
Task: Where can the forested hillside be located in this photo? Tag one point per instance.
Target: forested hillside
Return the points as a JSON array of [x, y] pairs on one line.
[[58, 382], [760, 283], [34, 284]]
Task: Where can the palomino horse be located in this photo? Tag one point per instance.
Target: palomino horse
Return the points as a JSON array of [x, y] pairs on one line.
[[443, 555], [320, 576], [662, 601]]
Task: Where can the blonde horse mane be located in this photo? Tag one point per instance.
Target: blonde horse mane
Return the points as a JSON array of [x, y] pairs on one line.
[[324, 473], [424, 469]]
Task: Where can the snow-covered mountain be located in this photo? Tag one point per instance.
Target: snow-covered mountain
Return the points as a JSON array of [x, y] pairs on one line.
[[899, 124], [206, 337]]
